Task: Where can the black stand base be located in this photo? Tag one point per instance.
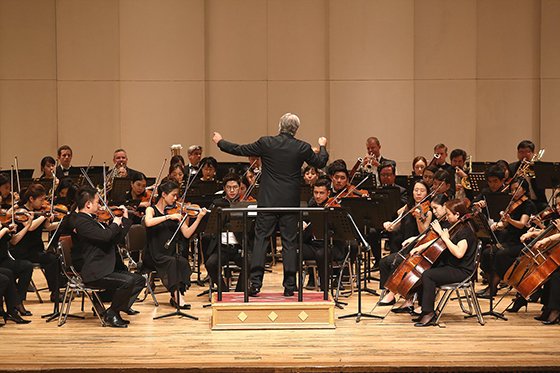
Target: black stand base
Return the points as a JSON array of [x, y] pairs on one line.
[[55, 314], [359, 315], [176, 313]]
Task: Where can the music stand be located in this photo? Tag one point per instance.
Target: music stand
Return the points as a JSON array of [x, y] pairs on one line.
[[547, 175], [225, 168], [496, 203], [347, 227], [366, 213], [121, 185], [481, 166], [478, 181]]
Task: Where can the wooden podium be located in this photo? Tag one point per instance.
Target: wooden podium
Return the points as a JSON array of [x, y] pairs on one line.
[[272, 311]]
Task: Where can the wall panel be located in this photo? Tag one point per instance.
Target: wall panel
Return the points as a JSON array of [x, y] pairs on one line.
[[156, 115], [444, 112], [445, 39], [27, 121], [371, 39], [87, 39], [162, 39], [27, 39], [384, 109], [507, 112], [89, 120]]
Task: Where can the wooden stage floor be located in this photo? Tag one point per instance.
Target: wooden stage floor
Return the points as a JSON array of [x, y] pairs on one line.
[[393, 344]]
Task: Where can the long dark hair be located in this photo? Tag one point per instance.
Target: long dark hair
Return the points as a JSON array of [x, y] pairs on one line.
[[166, 187], [411, 203]]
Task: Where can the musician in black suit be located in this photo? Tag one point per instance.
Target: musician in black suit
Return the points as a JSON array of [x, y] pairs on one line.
[[374, 159], [282, 157], [525, 152], [64, 157], [95, 244]]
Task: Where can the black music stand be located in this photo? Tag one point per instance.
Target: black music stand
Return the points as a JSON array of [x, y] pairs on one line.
[[175, 241], [366, 214], [346, 227], [547, 175], [481, 166], [496, 203], [120, 186], [478, 181]]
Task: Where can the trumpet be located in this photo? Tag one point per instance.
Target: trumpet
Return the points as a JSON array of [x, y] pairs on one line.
[[369, 164]]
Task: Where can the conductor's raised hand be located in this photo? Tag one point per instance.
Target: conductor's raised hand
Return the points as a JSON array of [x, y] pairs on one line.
[[322, 141], [217, 137]]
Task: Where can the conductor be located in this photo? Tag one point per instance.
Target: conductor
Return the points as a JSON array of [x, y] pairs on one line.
[[282, 157]]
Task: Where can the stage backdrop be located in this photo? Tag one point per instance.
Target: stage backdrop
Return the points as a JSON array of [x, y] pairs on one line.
[[145, 74]]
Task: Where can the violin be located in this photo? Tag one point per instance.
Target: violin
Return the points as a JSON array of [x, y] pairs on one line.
[[147, 197], [422, 210], [512, 206], [189, 209], [6, 218], [104, 215], [545, 215], [348, 192]]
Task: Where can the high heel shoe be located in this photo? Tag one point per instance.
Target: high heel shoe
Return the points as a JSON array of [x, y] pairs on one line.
[[426, 320], [517, 304], [553, 318], [22, 311], [390, 303], [543, 316], [15, 317]]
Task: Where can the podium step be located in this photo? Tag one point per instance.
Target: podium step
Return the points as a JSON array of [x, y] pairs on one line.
[[272, 311]]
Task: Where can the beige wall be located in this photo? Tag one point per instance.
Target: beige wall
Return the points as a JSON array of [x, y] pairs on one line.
[[145, 74]]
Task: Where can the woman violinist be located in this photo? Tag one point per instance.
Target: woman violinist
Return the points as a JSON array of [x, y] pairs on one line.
[[419, 163], [173, 270], [509, 230], [137, 198], [20, 271], [402, 234], [30, 246], [209, 166], [454, 265]]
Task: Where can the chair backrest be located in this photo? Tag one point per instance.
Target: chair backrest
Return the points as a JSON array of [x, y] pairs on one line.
[[65, 252], [477, 256], [136, 238]]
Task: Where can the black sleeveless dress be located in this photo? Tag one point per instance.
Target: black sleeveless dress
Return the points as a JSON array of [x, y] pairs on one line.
[[174, 271]]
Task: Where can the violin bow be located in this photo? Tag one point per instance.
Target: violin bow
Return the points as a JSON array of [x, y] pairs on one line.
[[17, 174], [86, 177], [157, 181]]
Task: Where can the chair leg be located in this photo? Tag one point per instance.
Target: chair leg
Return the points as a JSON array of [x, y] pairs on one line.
[[476, 305], [36, 290], [64, 300], [94, 294], [150, 290], [442, 303]]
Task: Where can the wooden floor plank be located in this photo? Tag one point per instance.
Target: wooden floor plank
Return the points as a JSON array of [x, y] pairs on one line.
[[520, 343]]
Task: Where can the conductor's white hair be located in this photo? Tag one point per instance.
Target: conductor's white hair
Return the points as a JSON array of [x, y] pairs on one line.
[[289, 123]]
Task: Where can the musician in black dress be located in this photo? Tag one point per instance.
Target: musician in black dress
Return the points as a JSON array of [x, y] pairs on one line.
[[173, 270], [8, 286], [509, 230], [94, 246], [30, 246], [282, 157], [21, 270], [402, 233], [137, 198], [455, 264]]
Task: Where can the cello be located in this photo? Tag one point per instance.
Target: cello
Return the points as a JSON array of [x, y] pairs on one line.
[[407, 275]]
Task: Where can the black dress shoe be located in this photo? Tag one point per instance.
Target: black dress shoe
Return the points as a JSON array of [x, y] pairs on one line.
[[407, 309], [113, 320], [553, 318], [254, 291], [126, 322], [543, 316], [131, 311], [173, 303], [22, 311], [426, 320], [390, 303], [15, 317], [288, 292]]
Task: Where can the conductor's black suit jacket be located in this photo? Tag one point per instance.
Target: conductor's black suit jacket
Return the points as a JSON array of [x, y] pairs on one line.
[[282, 157], [95, 245]]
